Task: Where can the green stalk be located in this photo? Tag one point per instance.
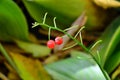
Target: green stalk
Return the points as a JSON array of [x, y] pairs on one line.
[[67, 35], [84, 47], [49, 33]]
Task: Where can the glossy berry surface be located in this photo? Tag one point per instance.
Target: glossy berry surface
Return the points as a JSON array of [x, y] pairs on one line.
[[58, 40], [51, 44]]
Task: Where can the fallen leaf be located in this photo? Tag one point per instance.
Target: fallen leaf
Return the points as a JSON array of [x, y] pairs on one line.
[[29, 69]]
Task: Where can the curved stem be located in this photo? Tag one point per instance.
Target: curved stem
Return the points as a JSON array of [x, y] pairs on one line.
[[95, 44], [81, 40], [54, 22], [44, 18], [84, 47], [49, 33], [87, 50], [69, 47]]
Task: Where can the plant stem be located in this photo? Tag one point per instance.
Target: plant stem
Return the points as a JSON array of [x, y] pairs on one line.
[[84, 47], [49, 33], [67, 35]]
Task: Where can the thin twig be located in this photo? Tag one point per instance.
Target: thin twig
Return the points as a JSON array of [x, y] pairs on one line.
[[54, 22], [71, 28], [3, 77], [69, 46], [99, 41], [49, 33], [79, 31], [44, 18]]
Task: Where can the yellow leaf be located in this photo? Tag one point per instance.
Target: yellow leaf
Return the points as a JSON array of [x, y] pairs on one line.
[[12, 74], [107, 3], [29, 69], [116, 73]]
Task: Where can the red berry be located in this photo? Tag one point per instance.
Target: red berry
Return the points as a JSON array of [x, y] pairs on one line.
[[51, 44], [58, 40]]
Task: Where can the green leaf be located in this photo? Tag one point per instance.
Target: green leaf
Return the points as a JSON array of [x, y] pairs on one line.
[[65, 11], [75, 68], [13, 24], [80, 55], [113, 61], [110, 39], [34, 49]]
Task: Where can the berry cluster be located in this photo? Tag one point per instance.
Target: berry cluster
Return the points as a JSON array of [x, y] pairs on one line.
[[51, 43]]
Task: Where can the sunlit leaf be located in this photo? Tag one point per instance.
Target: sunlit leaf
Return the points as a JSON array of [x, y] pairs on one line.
[[13, 24], [34, 49], [75, 68], [30, 69], [107, 3]]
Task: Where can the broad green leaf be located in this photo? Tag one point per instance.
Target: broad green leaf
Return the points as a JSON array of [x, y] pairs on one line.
[[110, 39], [75, 68], [65, 11], [30, 69], [113, 61], [80, 55], [34, 49], [13, 24]]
